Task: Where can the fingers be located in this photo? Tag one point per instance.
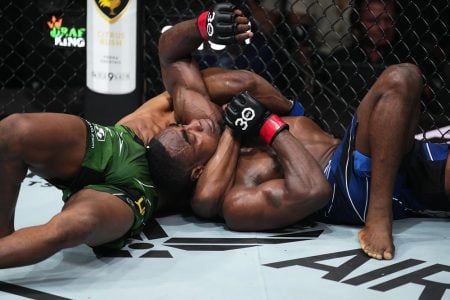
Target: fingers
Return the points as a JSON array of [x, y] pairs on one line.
[[240, 38], [243, 28], [242, 19]]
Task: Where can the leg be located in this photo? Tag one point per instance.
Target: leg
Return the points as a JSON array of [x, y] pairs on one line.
[[52, 145], [89, 217], [388, 117]]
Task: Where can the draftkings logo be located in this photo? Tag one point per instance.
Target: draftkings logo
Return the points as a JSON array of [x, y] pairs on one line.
[[111, 10], [71, 37]]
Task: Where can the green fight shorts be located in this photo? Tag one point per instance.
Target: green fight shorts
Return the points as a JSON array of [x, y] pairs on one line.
[[115, 162]]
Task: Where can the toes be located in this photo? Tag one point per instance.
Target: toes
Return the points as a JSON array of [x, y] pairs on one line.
[[374, 253], [388, 255]]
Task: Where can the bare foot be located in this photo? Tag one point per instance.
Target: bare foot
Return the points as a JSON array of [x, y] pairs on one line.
[[376, 240]]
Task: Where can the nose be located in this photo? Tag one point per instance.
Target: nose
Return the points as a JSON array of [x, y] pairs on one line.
[[194, 125]]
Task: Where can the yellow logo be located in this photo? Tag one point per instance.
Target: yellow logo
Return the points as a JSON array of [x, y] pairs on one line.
[[111, 10], [140, 204]]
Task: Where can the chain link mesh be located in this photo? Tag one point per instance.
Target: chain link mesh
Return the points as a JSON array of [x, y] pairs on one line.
[[323, 52]]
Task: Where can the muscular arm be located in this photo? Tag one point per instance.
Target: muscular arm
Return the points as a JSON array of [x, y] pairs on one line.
[[223, 84], [217, 177], [279, 202], [180, 73]]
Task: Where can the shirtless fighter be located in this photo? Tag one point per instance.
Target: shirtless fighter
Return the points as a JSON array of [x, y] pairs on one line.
[[103, 171], [377, 173], [304, 170]]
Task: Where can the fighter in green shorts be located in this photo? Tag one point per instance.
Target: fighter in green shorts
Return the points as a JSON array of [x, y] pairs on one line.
[[115, 162], [103, 170]]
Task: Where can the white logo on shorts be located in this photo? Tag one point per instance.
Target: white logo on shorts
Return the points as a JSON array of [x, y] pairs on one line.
[[100, 133]]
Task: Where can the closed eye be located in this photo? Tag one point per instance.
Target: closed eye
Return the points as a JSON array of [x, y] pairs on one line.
[[185, 136], [183, 132]]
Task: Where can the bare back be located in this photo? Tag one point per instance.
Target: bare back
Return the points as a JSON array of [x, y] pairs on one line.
[[152, 117]]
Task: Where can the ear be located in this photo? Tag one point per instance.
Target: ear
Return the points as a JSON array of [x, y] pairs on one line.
[[196, 172]]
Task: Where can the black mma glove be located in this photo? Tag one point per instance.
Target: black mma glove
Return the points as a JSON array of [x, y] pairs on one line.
[[218, 25], [247, 117]]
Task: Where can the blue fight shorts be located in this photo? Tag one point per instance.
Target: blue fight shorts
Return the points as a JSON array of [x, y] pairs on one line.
[[419, 187]]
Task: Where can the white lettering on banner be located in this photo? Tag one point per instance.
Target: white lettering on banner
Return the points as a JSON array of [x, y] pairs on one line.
[[70, 42], [110, 76], [111, 49]]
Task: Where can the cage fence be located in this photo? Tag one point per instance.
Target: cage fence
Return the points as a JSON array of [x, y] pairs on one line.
[[325, 53]]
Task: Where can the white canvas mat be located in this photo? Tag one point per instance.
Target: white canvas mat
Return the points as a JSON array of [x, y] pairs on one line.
[[182, 257]]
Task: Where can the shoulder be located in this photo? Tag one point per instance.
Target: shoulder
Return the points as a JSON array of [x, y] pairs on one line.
[[159, 104]]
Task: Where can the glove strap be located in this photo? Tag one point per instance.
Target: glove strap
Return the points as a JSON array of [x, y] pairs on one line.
[[271, 127], [201, 25]]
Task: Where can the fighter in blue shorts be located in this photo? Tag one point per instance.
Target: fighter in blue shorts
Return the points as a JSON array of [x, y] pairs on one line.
[[378, 172], [268, 171], [419, 186]]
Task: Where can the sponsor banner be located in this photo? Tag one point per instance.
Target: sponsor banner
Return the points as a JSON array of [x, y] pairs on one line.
[[65, 32], [111, 46]]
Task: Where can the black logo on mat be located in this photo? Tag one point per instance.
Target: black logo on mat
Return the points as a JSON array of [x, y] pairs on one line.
[[150, 241]]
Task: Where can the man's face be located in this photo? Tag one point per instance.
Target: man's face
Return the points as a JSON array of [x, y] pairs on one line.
[[196, 141], [377, 19]]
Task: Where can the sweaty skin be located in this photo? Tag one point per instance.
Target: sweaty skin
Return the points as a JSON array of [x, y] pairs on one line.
[[256, 168], [247, 186], [53, 146], [221, 84]]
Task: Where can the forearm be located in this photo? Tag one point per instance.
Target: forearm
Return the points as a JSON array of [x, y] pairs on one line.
[[302, 174], [224, 84], [179, 42], [217, 177], [181, 75]]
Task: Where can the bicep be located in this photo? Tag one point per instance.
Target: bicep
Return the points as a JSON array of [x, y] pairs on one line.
[[263, 207], [189, 94]]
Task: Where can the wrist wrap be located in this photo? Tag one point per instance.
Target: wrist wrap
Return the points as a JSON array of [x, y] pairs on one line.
[[201, 25], [271, 128]]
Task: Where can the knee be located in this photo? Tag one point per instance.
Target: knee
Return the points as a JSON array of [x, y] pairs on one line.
[[67, 229], [404, 80], [13, 132], [405, 76]]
